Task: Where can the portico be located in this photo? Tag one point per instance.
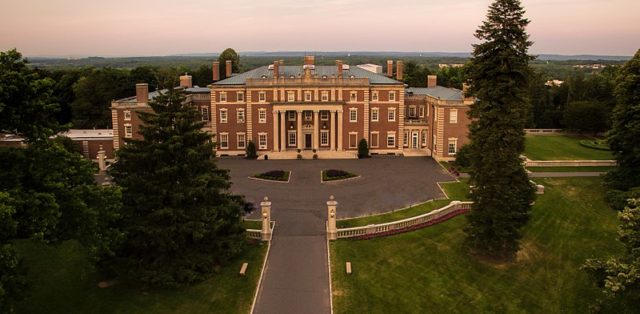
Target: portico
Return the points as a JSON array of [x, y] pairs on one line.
[[307, 127]]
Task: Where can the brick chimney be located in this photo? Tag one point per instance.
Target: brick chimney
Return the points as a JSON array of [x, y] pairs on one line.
[[186, 81], [276, 69], [309, 60], [216, 71], [142, 93], [228, 68], [339, 66], [390, 68], [399, 70], [432, 80], [465, 89]]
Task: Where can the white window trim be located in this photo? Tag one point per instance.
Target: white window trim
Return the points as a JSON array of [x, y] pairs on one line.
[[127, 115], [374, 96], [324, 115], [220, 143], [377, 142], [262, 112], [326, 133], [223, 96], [266, 140], [454, 141], [353, 96], [204, 113], [392, 93], [291, 96], [244, 142], [391, 134], [291, 115], [292, 134], [226, 115], [421, 111], [389, 111], [241, 118], [405, 138], [262, 96], [308, 115], [308, 96], [323, 94], [415, 112], [128, 127], [423, 138], [453, 116], [375, 110], [351, 110], [240, 96], [355, 145]]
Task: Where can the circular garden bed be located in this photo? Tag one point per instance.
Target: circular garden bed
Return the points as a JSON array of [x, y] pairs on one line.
[[336, 175], [274, 175]]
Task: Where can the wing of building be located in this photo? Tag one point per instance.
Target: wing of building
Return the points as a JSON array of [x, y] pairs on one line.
[[284, 109]]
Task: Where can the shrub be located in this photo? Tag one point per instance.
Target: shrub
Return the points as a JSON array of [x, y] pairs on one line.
[[618, 199], [363, 149], [276, 175], [251, 151], [334, 174], [595, 144], [462, 157]]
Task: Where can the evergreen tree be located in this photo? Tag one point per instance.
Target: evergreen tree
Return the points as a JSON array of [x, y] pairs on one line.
[[179, 220], [251, 151], [624, 137], [498, 72], [363, 149]]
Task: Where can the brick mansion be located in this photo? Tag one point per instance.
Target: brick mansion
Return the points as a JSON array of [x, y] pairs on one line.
[[284, 109]]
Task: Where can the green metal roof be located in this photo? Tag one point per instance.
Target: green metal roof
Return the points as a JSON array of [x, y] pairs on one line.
[[297, 70]]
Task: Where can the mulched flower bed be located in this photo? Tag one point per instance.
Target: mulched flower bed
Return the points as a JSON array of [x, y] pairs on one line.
[[274, 175], [334, 174]]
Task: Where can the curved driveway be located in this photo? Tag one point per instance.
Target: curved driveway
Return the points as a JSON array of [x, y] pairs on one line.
[[296, 277]]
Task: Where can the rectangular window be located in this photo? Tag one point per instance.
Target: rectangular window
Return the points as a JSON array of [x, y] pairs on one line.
[[127, 115], [353, 140], [224, 140], [353, 96], [392, 96], [242, 144], [375, 139], [374, 96], [262, 115], [240, 96], [324, 95], [421, 111], [453, 115], [324, 138], [453, 143], [223, 96], [375, 114], [424, 138], [353, 115], [291, 96], [391, 140], [391, 117], [324, 115], [291, 115], [412, 111], [240, 115], [128, 130], [307, 95], [308, 115], [262, 96], [223, 116], [262, 140], [204, 111], [405, 139], [292, 138]]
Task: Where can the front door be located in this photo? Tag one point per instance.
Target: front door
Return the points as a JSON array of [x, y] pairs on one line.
[[414, 140], [307, 141]]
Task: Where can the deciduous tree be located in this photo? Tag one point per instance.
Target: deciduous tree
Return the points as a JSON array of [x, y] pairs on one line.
[[498, 73]]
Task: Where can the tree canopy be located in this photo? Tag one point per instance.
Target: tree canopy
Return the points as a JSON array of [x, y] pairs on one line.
[[178, 217], [498, 73], [229, 54]]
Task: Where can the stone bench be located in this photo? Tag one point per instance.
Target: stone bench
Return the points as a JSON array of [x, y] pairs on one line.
[[348, 268], [243, 269]]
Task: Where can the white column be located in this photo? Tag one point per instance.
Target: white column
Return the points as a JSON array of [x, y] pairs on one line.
[[299, 136], [266, 219], [275, 131], [340, 124], [283, 131], [316, 127], [332, 131]]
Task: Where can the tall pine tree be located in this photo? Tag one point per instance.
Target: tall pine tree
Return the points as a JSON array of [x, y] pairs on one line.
[[179, 220], [498, 73]]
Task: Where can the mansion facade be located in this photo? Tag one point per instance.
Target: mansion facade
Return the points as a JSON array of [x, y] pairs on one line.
[[290, 109]]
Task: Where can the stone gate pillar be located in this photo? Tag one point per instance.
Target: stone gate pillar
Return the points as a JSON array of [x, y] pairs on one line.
[[332, 231], [266, 219], [102, 155]]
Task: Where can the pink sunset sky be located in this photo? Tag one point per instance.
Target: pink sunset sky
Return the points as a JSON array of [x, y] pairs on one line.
[[160, 27]]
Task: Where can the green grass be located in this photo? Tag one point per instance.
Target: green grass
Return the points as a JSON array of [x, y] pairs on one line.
[[456, 190], [345, 175], [274, 175], [63, 281], [571, 169], [561, 147], [252, 224], [427, 270], [452, 164]]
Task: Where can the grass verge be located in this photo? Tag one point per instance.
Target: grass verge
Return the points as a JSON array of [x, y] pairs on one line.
[[571, 169], [427, 270], [63, 281], [561, 147]]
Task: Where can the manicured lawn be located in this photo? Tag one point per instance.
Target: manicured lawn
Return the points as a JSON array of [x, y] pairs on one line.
[[274, 175], [457, 191], [561, 147], [336, 175], [63, 281], [252, 224], [571, 169], [427, 270]]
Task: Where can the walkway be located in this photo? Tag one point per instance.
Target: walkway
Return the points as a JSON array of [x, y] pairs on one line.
[[296, 278]]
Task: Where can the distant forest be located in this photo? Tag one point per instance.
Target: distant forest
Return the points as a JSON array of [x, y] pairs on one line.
[[85, 87]]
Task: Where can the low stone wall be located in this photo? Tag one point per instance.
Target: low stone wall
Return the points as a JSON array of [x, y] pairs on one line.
[[543, 131], [454, 209], [570, 163]]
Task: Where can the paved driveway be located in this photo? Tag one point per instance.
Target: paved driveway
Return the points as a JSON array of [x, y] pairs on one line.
[[296, 277]]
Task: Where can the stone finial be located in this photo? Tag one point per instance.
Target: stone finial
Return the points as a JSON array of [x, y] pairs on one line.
[[266, 199], [331, 198]]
